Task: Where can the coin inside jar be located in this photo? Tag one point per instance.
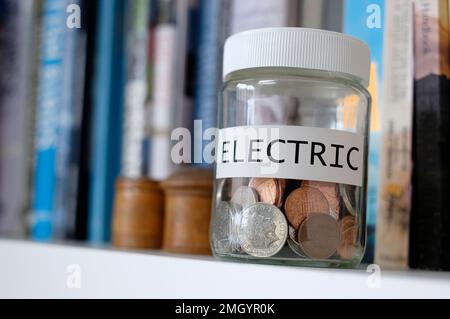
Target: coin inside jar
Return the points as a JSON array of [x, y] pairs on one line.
[[349, 196], [224, 235], [293, 243], [263, 230], [330, 191], [319, 236], [270, 190], [245, 196], [301, 202], [282, 184], [349, 233]]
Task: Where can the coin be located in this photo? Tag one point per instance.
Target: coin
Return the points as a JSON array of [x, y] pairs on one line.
[[349, 233], [281, 183], [350, 195], [270, 190], [223, 190], [219, 190], [245, 196], [293, 243], [223, 234], [263, 230], [319, 236], [235, 243], [330, 191], [301, 202], [292, 185]]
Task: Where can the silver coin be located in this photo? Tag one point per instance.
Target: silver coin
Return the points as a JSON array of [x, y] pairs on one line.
[[293, 243], [263, 230], [245, 196], [350, 197], [236, 218], [224, 234]]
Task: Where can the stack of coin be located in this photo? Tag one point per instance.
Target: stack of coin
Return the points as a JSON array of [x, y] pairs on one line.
[[224, 236], [314, 230], [349, 233], [316, 219], [270, 190]]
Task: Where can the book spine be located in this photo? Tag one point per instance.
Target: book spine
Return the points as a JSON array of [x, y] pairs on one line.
[[85, 99], [254, 14], [369, 29], [164, 89], [430, 220], [312, 14], [16, 47], [67, 144], [209, 69], [50, 99], [394, 196], [136, 89], [107, 117], [333, 15]]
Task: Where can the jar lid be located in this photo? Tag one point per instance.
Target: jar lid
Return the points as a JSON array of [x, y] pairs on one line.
[[297, 48]]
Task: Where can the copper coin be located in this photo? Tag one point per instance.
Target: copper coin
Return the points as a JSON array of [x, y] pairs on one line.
[[349, 236], [282, 191], [269, 190], [301, 202], [319, 236], [330, 191], [292, 185]]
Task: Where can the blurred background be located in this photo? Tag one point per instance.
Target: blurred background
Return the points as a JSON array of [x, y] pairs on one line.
[[90, 91]]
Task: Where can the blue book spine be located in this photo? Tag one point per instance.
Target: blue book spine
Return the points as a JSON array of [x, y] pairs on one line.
[[107, 119], [66, 168], [50, 100], [209, 69], [356, 23]]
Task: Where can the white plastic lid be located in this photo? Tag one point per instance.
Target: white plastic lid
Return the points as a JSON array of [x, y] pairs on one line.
[[297, 48]]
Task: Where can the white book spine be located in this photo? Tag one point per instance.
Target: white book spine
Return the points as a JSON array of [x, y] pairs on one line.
[[394, 204]]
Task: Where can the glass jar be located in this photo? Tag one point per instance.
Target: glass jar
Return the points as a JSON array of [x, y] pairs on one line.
[[291, 155]]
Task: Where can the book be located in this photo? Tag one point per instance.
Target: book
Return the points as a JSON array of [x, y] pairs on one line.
[[108, 99], [322, 14], [50, 101], [430, 220], [312, 13], [394, 196], [213, 28], [364, 19], [135, 113], [172, 98], [59, 149], [163, 99], [255, 14], [333, 16], [88, 34], [68, 129], [17, 50]]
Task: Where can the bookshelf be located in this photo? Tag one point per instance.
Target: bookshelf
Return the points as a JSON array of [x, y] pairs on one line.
[[48, 270]]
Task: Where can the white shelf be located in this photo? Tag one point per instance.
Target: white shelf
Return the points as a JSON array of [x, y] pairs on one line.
[[31, 270]]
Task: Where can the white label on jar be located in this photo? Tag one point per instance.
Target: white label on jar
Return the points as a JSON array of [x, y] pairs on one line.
[[291, 152]]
